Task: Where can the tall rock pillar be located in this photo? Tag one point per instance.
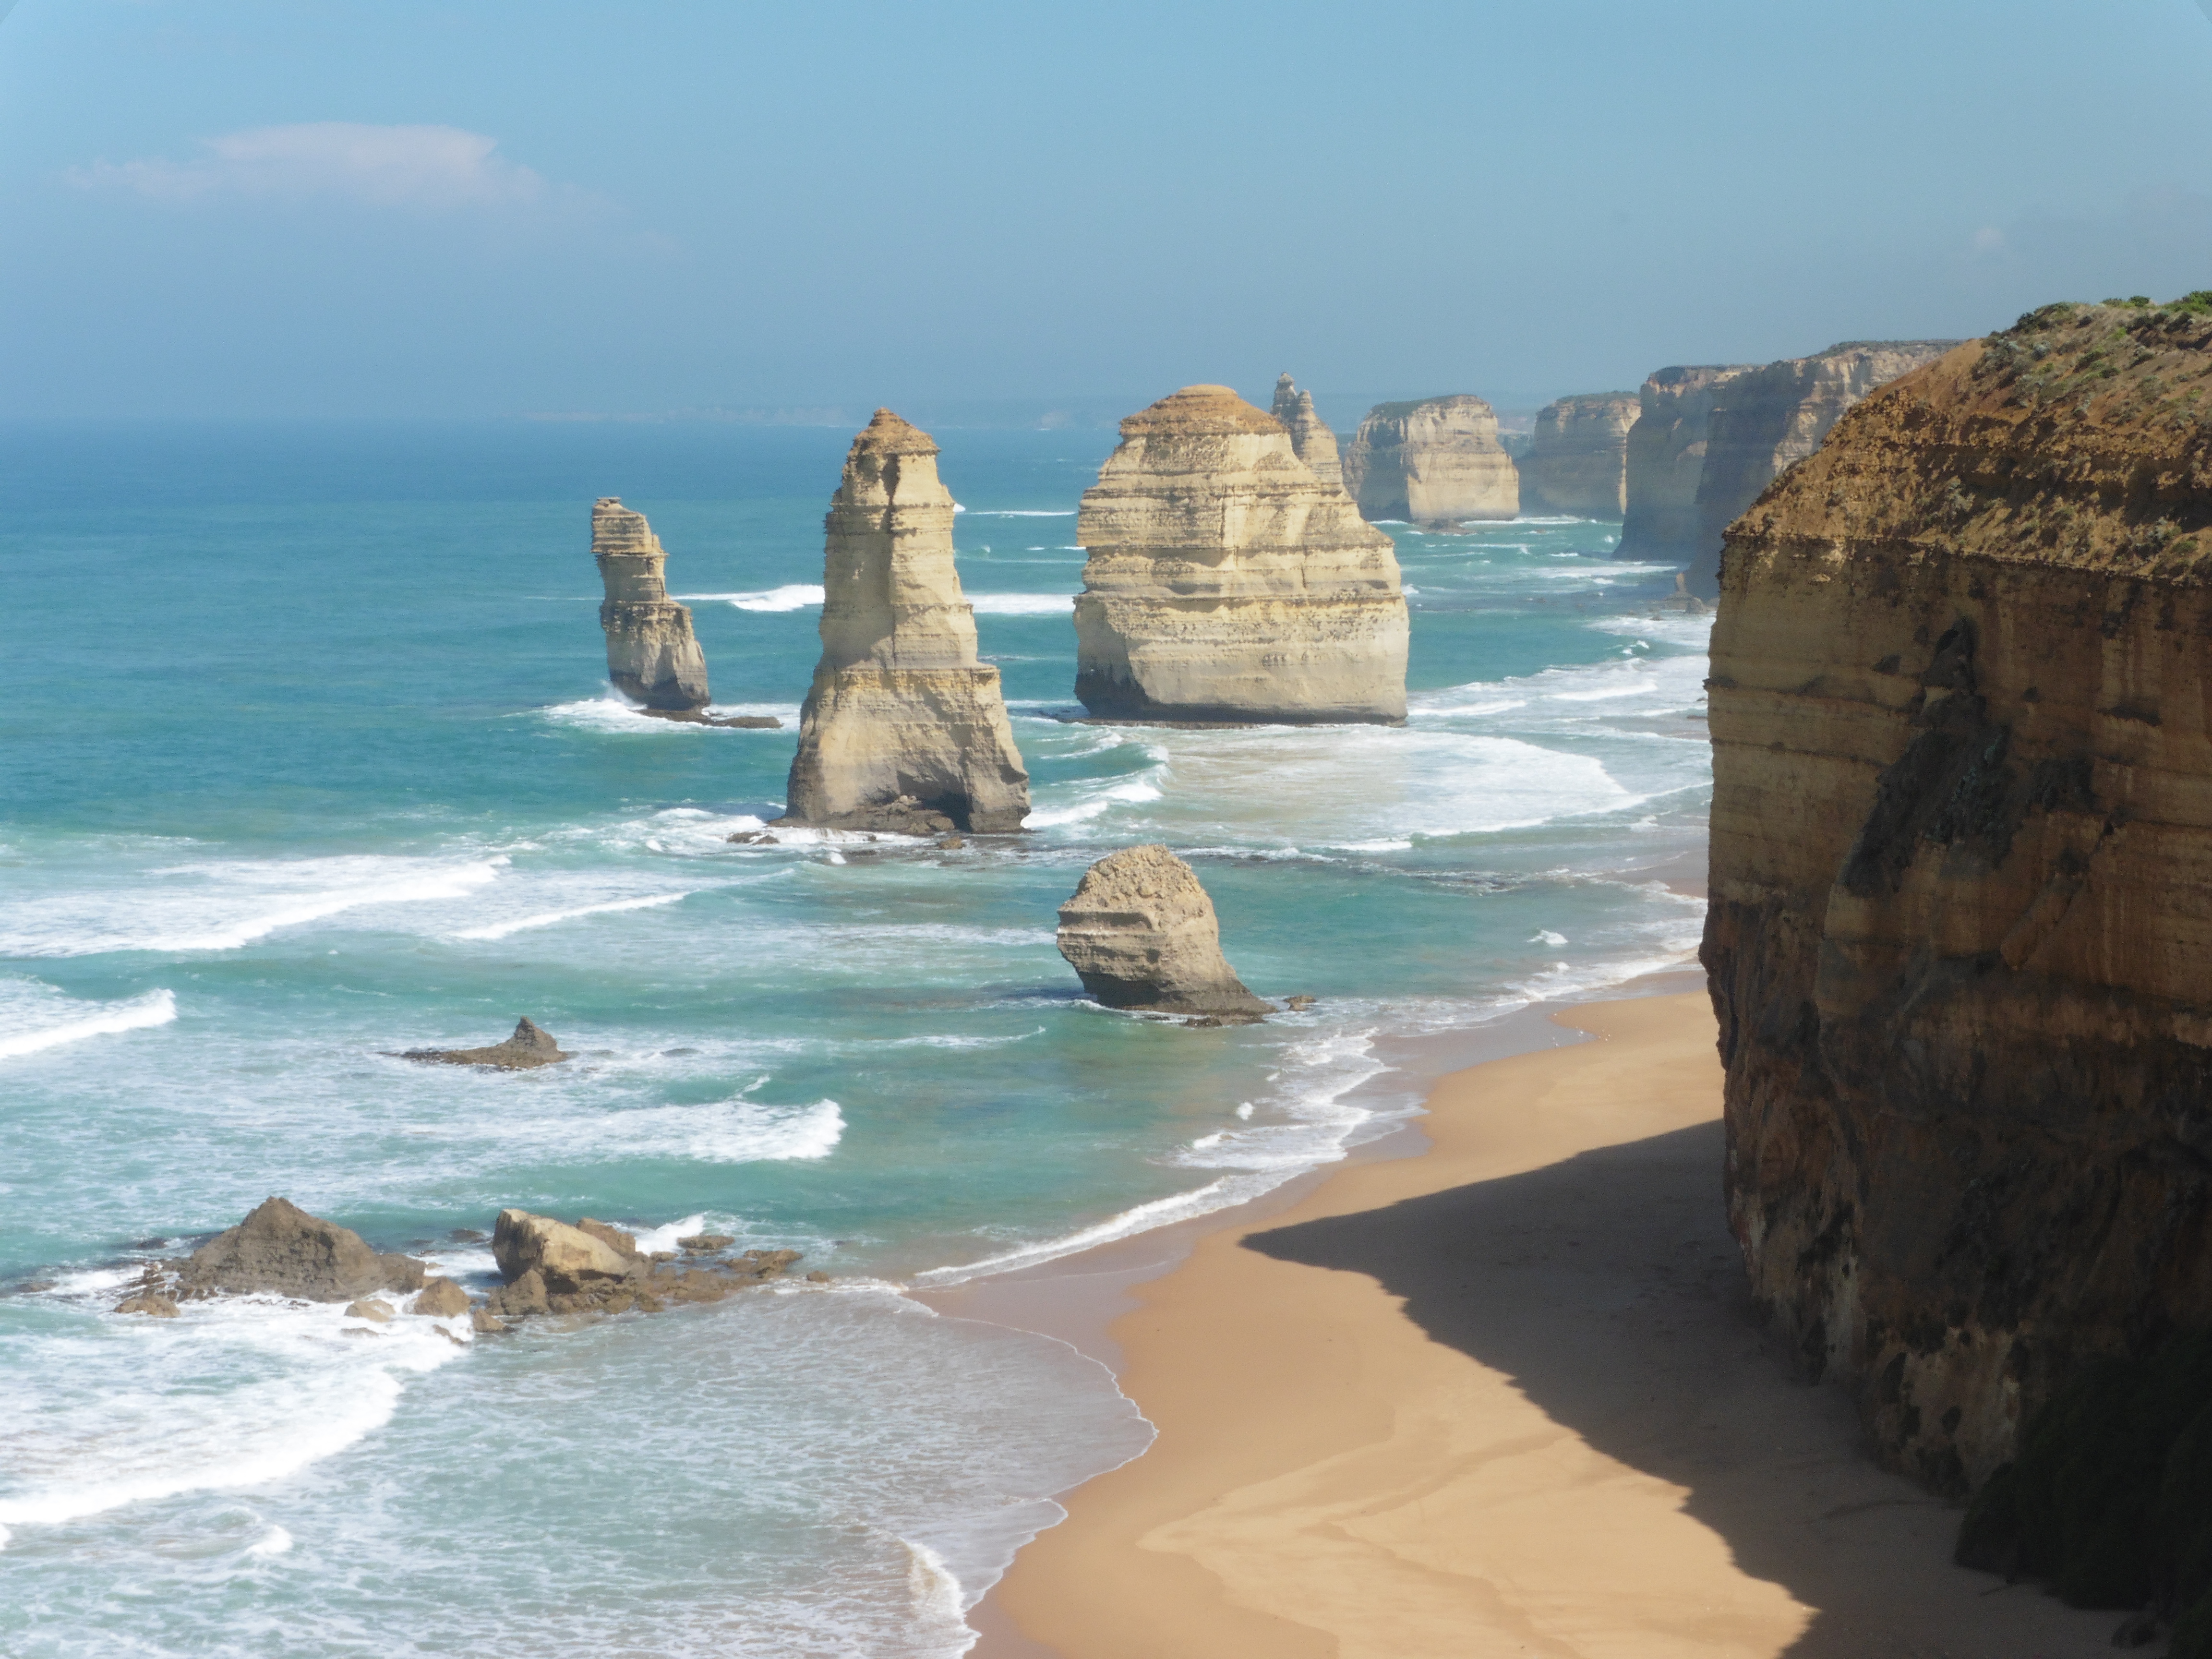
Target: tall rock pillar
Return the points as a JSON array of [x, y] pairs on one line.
[[1311, 438], [904, 728], [651, 656]]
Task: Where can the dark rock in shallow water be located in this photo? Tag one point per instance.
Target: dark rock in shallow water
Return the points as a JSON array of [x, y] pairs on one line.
[[529, 1046], [148, 1302], [467, 1236], [705, 1244], [281, 1250], [740, 722]]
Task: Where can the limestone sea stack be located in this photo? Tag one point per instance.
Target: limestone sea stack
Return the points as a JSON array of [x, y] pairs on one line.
[[1227, 582], [904, 728], [1435, 461], [1311, 438], [1664, 456], [651, 657], [1141, 933], [1960, 932], [1578, 463]]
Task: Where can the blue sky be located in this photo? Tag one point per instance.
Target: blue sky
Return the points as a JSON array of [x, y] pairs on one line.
[[414, 207]]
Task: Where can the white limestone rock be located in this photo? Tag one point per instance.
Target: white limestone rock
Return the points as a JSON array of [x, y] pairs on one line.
[[1141, 933], [651, 657], [1434, 461]]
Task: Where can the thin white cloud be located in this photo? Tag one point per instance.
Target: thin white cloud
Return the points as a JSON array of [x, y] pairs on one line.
[[387, 165]]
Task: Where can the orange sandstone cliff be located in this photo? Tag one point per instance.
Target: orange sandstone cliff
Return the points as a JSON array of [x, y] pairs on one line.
[[1960, 934]]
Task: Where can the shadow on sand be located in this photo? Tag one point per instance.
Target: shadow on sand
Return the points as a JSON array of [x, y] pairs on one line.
[[1608, 1289]]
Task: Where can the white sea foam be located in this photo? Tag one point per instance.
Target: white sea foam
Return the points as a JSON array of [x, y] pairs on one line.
[[227, 906], [1021, 605], [791, 595], [736, 1131], [31, 1023], [275, 1541], [547, 918]]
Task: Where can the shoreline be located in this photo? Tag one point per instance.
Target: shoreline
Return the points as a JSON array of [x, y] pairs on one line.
[[1489, 1384]]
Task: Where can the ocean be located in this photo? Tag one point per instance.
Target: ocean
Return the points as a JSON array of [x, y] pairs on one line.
[[310, 758]]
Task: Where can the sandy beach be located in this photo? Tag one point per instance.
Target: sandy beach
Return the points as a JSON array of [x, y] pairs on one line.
[[1502, 1397]]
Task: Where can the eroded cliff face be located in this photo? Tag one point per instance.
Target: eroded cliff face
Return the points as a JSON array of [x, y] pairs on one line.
[[1436, 461], [1311, 438], [1666, 455], [903, 728], [1578, 461], [651, 656], [1960, 932], [1766, 422], [1226, 581]]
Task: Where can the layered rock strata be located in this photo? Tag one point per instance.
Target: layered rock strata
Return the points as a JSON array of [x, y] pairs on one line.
[[1140, 932], [904, 729], [1436, 461], [1577, 462], [651, 657], [1227, 582], [1960, 932], [1664, 456], [1311, 438], [529, 1047]]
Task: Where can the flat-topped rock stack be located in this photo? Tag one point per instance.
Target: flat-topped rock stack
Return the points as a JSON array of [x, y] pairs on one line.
[[1141, 933], [1311, 438], [651, 657], [1665, 457], [1577, 462], [1226, 582], [1433, 461], [904, 728]]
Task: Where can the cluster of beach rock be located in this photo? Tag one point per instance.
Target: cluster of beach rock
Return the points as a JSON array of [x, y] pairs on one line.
[[547, 1267]]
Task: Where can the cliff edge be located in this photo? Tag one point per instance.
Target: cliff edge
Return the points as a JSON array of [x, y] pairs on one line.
[[1578, 458], [1960, 932]]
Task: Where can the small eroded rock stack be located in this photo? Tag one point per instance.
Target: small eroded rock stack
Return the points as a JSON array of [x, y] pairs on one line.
[[531, 1046], [1311, 438], [552, 1267], [1141, 933], [1227, 582], [1434, 461], [651, 657], [1578, 463], [904, 728]]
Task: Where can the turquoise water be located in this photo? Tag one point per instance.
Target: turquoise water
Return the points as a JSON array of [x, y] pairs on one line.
[[310, 758]]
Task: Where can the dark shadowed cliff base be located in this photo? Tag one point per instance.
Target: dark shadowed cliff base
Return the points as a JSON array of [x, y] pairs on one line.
[[1505, 1397]]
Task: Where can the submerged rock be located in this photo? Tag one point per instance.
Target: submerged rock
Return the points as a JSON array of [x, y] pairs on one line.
[[529, 1046], [1227, 584], [281, 1250], [1436, 461], [904, 729], [1311, 439], [651, 657], [1141, 933], [371, 1308], [152, 1303]]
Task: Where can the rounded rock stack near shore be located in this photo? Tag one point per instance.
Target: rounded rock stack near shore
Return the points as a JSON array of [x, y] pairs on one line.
[[651, 656], [1141, 933], [1434, 461], [904, 729], [1227, 583], [1959, 940]]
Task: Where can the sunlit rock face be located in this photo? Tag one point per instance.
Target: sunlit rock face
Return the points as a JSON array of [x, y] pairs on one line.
[[1577, 460], [651, 657], [1960, 932], [1665, 457], [904, 729], [1141, 932], [1431, 462], [1227, 582], [1311, 438]]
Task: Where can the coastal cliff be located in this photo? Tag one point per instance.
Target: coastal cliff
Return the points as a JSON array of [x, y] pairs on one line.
[[903, 729], [1434, 461], [651, 656], [1227, 582], [1578, 463], [1665, 456], [1959, 940], [1311, 438]]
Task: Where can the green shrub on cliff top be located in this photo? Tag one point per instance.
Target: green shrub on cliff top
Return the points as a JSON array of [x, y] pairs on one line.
[[2111, 1497]]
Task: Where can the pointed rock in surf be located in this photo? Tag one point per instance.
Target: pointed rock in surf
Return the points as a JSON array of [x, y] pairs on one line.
[[281, 1250], [651, 657], [904, 729], [1141, 933], [531, 1045]]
